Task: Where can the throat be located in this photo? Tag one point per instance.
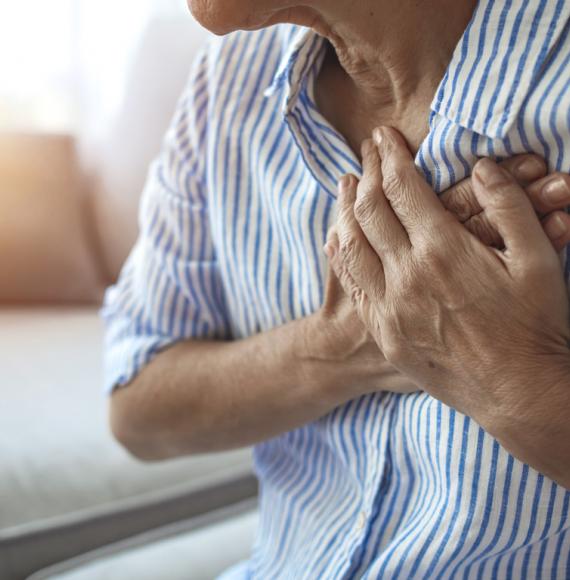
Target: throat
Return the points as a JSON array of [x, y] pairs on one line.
[[355, 112]]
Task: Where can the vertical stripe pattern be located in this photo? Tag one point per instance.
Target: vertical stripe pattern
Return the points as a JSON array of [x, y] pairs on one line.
[[232, 223]]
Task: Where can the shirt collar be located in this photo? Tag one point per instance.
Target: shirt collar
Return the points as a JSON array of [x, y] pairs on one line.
[[497, 62], [491, 73], [302, 48]]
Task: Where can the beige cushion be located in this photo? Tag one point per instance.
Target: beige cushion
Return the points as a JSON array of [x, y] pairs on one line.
[[45, 255], [66, 486]]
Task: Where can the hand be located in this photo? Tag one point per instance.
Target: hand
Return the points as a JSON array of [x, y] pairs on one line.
[[549, 195], [485, 331], [335, 334], [342, 331]]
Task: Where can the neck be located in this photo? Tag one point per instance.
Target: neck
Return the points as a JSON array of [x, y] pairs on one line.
[[389, 56], [398, 52]]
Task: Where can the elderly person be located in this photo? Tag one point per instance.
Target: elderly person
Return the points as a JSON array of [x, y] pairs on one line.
[[416, 424]]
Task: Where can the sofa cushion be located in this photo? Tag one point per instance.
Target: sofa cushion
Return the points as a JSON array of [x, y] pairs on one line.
[[65, 484], [46, 253], [171, 553]]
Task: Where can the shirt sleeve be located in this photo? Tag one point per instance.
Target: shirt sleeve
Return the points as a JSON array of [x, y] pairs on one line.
[[170, 287]]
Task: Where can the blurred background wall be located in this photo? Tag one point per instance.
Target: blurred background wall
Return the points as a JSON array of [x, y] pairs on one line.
[[86, 92]]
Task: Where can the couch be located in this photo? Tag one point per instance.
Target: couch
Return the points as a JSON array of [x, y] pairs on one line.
[[73, 503]]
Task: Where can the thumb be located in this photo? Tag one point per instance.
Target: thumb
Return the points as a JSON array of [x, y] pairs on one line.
[[509, 210]]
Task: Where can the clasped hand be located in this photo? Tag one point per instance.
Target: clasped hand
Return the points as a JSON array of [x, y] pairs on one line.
[[483, 328]]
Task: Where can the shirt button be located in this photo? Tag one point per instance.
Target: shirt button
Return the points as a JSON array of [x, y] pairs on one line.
[[361, 521]]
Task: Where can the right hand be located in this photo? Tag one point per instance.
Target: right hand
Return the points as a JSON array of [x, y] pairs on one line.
[[336, 335]]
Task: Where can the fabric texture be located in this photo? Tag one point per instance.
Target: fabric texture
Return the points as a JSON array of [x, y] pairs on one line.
[[233, 221]]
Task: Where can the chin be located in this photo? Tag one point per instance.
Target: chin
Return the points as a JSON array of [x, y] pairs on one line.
[[224, 16]]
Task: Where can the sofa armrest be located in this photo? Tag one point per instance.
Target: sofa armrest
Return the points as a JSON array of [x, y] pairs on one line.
[[24, 553]]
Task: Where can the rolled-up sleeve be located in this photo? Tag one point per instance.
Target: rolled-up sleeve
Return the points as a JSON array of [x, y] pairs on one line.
[[170, 287]]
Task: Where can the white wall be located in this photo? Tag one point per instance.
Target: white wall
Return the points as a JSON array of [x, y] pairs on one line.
[[107, 71], [128, 108]]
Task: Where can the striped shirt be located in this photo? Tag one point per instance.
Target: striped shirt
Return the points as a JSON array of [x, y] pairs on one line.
[[232, 224]]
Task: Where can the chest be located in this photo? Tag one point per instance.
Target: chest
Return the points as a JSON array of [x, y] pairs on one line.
[[271, 185], [269, 219]]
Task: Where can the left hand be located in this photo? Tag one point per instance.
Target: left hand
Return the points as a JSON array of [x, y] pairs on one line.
[[484, 331], [548, 194]]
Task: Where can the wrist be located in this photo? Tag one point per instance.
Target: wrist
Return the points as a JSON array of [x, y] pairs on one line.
[[322, 362], [535, 427]]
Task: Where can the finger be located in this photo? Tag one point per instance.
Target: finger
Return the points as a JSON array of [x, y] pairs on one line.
[[355, 256], [355, 293], [333, 289], [340, 276], [414, 202], [462, 202], [373, 212], [525, 168], [481, 228], [509, 210], [550, 193], [557, 228]]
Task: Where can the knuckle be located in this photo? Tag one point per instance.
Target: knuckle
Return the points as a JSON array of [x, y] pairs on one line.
[[428, 252], [357, 296], [434, 262], [348, 248], [482, 229], [343, 281], [393, 181], [504, 196], [365, 206], [462, 202]]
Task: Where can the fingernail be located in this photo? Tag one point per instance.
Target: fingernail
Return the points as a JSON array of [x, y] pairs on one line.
[[556, 227], [529, 168], [556, 191], [383, 136], [377, 135], [343, 184], [329, 250], [489, 173]]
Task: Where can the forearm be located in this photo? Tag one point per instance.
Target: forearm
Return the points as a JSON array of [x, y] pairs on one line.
[[208, 396], [538, 432]]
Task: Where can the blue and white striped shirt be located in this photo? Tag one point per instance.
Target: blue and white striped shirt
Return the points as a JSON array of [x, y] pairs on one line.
[[233, 220]]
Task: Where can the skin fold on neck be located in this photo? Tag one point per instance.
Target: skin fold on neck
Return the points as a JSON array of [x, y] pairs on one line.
[[385, 60]]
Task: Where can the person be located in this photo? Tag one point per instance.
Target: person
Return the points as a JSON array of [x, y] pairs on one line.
[[227, 327]]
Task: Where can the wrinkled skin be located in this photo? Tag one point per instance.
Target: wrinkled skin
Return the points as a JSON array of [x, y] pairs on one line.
[[483, 329], [345, 330]]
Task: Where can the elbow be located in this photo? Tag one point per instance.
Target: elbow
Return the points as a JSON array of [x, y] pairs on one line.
[[137, 447], [132, 428]]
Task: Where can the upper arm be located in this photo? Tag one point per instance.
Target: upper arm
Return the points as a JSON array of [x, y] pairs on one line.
[[169, 288]]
